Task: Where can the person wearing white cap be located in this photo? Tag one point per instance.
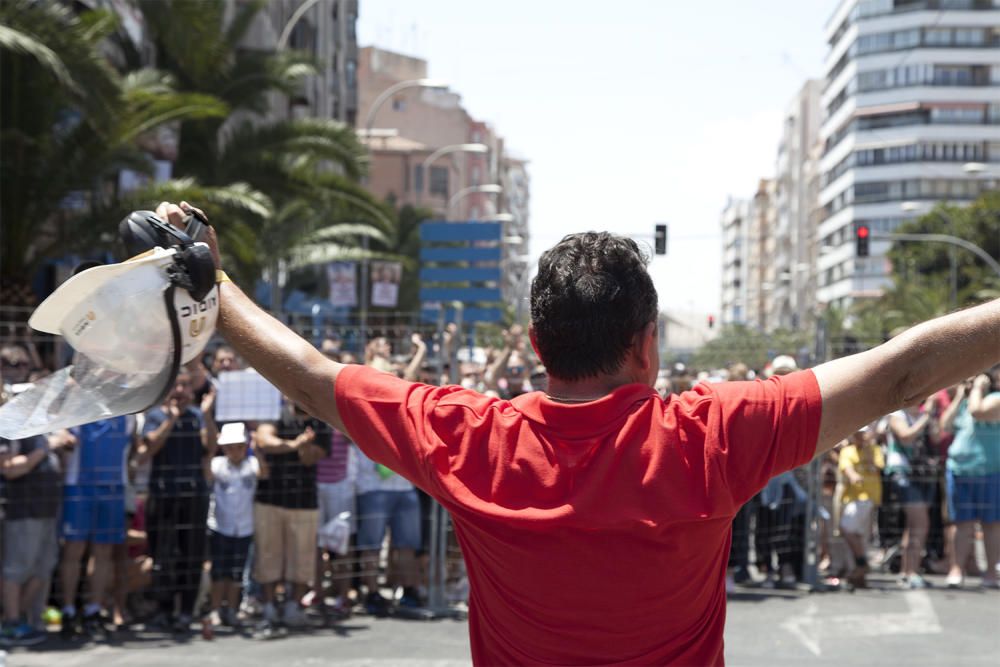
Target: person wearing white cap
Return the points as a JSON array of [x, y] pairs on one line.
[[233, 477]]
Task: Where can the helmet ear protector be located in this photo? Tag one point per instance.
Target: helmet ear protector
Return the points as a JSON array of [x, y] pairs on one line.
[[193, 269]]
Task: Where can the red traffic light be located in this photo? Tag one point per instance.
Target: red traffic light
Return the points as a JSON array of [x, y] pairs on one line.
[[862, 232]]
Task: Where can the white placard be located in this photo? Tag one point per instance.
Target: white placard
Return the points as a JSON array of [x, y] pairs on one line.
[[246, 396], [343, 288]]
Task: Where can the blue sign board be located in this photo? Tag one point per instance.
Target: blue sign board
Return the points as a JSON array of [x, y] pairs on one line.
[[462, 294], [460, 254], [466, 258], [460, 231], [448, 275]]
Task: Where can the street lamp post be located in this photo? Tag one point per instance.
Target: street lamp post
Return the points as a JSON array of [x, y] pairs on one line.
[[489, 188], [441, 152], [392, 90]]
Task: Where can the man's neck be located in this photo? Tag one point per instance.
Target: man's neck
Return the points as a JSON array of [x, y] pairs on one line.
[[587, 389]]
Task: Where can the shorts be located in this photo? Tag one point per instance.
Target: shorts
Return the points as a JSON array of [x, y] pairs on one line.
[[399, 510], [337, 497], [229, 555], [284, 544], [856, 517], [30, 549], [910, 491], [972, 497], [94, 513]]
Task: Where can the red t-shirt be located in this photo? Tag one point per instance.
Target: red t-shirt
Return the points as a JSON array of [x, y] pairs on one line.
[[596, 533]]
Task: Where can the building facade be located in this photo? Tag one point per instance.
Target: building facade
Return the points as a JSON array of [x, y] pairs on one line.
[[326, 30], [761, 271], [911, 103], [792, 299], [408, 128], [735, 221]]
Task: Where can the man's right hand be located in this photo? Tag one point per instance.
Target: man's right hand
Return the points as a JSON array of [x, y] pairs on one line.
[[176, 215]]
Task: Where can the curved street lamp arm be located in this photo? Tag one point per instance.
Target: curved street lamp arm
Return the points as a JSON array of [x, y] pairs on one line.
[[286, 32], [389, 92], [944, 238]]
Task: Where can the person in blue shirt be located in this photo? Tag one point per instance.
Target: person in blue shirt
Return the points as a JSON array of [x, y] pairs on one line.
[[93, 514], [973, 473]]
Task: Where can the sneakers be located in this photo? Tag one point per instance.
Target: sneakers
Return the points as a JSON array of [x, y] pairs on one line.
[[954, 581], [67, 626], [376, 605], [990, 584], [411, 598], [95, 627], [21, 635], [730, 584], [295, 616], [340, 609], [914, 583], [182, 624], [230, 618]]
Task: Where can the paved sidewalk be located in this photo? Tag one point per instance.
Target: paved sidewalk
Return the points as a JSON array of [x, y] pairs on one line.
[[882, 627]]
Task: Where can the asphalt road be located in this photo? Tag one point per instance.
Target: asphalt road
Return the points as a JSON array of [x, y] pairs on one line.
[[882, 626]]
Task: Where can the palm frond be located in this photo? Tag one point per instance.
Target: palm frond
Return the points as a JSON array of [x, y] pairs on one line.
[[19, 42]]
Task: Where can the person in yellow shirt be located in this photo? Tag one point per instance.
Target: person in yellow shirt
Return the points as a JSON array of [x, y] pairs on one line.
[[860, 465]]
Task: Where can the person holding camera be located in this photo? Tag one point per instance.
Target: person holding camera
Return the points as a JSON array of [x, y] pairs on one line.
[[973, 473]]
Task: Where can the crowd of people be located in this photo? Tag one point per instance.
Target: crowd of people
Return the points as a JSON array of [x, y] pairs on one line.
[[181, 523]]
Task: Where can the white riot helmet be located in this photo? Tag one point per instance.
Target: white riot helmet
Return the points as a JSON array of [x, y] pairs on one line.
[[131, 326]]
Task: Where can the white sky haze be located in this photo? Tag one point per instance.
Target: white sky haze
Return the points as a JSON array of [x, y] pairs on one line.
[[630, 112]]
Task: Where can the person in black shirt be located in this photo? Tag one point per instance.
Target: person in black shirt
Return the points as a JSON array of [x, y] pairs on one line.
[[177, 436], [285, 510], [32, 493]]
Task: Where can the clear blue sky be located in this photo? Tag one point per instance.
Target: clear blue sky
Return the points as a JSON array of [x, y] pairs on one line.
[[630, 112]]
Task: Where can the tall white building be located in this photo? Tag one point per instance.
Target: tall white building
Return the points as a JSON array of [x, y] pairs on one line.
[[912, 95], [793, 295], [735, 221]]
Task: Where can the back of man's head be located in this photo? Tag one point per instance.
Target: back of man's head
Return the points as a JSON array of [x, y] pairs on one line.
[[591, 297]]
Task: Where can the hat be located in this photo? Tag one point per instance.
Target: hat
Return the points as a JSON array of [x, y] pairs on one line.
[[784, 364], [233, 434]]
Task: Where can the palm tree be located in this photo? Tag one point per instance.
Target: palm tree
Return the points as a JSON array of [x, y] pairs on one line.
[[309, 169], [68, 124]]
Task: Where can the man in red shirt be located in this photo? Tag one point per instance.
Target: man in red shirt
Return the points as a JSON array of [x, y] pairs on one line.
[[595, 518]]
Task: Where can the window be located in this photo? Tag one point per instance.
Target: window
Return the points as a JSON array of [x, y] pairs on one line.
[[957, 115], [418, 178], [439, 181], [937, 37], [352, 69], [398, 104]]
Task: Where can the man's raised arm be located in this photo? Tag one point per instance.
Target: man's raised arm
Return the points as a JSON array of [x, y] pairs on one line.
[[858, 389], [289, 362]]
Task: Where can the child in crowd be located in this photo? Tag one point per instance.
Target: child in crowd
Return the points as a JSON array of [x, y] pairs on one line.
[[230, 518], [860, 466]]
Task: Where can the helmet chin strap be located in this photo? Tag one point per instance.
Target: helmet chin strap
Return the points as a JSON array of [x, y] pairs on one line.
[[175, 333]]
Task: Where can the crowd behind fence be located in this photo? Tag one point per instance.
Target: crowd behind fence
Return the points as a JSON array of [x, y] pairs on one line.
[[177, 520]]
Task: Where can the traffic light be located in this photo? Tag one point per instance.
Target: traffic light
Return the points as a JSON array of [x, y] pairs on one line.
[[861, 237], [711, 321], [661, 239]]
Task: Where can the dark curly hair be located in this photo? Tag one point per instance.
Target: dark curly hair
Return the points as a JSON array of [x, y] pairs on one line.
[[590, 298]]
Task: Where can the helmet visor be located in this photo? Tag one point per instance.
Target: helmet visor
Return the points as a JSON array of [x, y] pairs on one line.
[[126, 341]]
